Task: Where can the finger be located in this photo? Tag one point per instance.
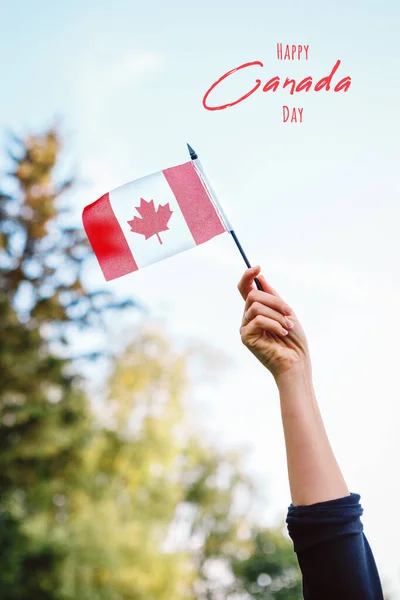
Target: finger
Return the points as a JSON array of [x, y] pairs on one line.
[[275, 302], [245, 285], [258, 326], [266, 286], [260, 309]]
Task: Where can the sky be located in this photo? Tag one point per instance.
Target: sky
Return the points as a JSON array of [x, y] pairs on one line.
[[314, 203]]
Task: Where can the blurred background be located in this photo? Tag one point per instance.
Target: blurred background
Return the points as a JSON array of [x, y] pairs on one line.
[[142, 455]]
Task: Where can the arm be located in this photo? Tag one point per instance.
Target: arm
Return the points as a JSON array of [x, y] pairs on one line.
[[324, 518], [314, 474], [272, 332]]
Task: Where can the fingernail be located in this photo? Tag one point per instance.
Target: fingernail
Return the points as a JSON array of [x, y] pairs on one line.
[[287, 309], [289, 323], [284, 331]]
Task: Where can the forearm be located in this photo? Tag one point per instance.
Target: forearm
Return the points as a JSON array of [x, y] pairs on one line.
[[314, 474]]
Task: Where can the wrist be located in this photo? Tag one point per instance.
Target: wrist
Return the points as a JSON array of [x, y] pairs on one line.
[[299, 373]]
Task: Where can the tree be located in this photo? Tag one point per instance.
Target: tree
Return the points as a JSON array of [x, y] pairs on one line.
[[139, 506], [42, 252], [271, 571], [173, 508], [45, 419]]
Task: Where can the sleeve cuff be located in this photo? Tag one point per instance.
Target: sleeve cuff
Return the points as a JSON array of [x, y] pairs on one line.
[[311, 525]]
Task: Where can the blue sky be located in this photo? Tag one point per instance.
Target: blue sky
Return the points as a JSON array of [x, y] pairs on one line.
[[316, 204]]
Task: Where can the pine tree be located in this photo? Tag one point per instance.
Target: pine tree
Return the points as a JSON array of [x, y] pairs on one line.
[[45, 419], [140, 509]]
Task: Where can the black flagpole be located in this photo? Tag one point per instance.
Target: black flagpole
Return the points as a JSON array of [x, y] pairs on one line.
[[194, 156]]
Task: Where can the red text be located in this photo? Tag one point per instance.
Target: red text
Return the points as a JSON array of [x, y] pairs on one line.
[[305, 85]]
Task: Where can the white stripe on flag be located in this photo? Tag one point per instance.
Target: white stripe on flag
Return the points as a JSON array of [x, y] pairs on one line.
[[176, 239]]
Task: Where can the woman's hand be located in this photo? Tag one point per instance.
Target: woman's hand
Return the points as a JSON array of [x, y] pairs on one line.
[[270, 329]]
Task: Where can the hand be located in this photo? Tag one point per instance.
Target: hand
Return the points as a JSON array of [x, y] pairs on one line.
[[270, 329]]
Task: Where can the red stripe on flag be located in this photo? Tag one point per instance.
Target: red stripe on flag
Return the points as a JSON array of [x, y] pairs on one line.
[[107, 240], [194, 202]]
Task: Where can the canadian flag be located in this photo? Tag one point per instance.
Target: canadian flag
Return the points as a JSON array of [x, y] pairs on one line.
[[150, 219]]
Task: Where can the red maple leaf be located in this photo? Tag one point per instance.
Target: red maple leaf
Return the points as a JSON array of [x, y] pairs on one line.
[[152, 221]]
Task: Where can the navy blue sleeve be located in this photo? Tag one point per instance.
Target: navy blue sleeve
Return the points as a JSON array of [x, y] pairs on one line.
[[333, 553]]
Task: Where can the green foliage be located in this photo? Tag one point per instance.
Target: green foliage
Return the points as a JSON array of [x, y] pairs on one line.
[[183, 501], [45, 418], [136, 507], [42, 253], [271, 571]]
